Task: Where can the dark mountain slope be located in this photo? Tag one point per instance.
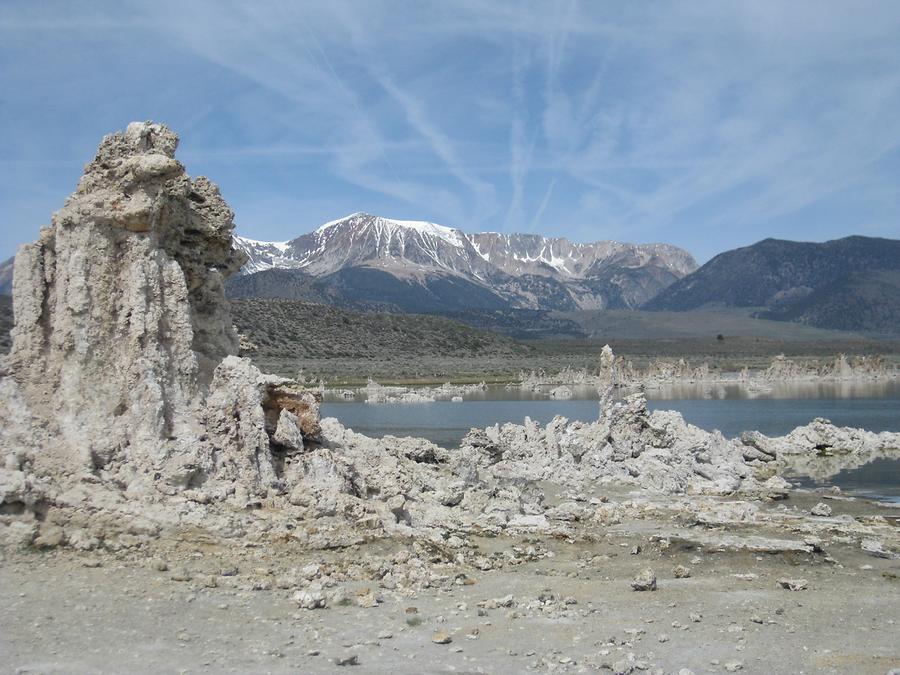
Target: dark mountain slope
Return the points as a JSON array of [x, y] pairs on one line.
[[365, 289], [829, 285], [6, 276], [290, 284], [861, 301], [6, 323], [366, 285], [284, 329]]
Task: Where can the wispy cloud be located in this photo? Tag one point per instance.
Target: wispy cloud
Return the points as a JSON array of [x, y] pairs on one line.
[[706, 124]]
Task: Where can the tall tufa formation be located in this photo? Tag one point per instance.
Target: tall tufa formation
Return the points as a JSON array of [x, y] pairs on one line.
[[122, 330]]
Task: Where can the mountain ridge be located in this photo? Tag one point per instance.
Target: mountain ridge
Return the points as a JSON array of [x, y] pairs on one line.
[[525, 271]]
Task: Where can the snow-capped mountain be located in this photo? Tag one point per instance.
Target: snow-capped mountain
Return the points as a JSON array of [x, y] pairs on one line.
[[396, 261]]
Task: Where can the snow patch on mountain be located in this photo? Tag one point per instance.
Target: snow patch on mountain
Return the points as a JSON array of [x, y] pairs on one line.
[[265, 255], [388, 228]]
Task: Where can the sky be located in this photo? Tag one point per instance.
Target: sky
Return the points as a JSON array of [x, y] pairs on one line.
[[709, 125]]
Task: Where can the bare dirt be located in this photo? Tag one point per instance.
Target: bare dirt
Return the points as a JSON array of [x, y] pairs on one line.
[[571, 611]]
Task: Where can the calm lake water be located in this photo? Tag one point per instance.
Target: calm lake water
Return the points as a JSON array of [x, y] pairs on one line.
[[728, 408]]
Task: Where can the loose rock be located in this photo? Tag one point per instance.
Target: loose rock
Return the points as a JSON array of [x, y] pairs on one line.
[[793, 584], [644, 581], [441, 638]]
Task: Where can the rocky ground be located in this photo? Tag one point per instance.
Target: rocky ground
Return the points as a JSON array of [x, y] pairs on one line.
[[561, 603]]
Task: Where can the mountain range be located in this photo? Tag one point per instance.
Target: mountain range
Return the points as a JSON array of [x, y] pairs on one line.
[[368, 261], [528, 285]]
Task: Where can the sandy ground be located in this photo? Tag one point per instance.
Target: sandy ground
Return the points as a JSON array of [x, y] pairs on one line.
[[575, 611]]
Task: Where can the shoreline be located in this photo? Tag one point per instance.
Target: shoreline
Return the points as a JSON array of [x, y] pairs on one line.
[[390, 391]]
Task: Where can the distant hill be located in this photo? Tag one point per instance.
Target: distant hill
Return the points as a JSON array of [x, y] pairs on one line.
[[624, 324], [846, 284], [522, 324], [291, 329]]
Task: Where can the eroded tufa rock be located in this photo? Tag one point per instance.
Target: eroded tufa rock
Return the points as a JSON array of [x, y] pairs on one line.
[[123, 360]]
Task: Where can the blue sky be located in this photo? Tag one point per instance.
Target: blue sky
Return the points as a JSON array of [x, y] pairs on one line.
[[709, 125]]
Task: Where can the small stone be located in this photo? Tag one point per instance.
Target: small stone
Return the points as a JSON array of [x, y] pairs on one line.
[[644, 581], [310, 599], [349, 660], [366, 599], [733, 666], [821, 509], [310, 571], [180, 574], [681, 572], [261, 585], [793, 584], [663, 637], [159, 565], [442, 637]]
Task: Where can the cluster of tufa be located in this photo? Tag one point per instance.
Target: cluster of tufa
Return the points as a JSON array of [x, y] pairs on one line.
[[126, 411]]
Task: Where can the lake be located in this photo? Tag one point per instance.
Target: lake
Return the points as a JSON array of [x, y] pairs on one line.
[[729, 408]]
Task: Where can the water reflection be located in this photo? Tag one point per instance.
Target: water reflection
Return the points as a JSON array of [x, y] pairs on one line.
[[850, 389], [778, 390], [878, 478]]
